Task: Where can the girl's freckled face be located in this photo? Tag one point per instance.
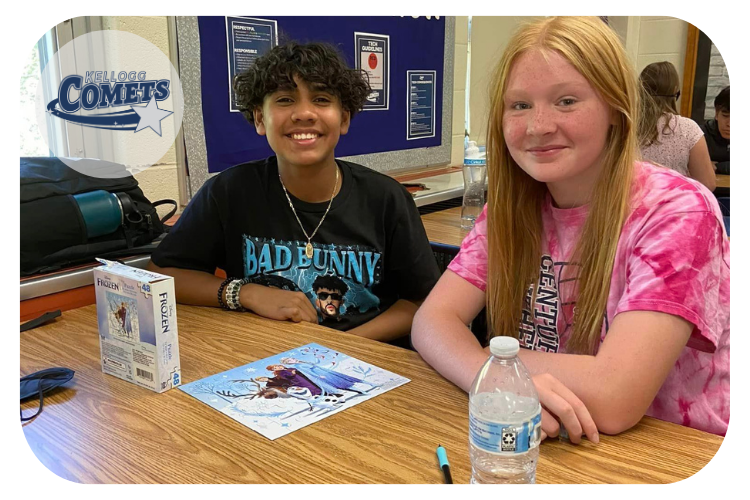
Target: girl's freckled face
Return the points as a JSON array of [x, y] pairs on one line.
[[554, 122]]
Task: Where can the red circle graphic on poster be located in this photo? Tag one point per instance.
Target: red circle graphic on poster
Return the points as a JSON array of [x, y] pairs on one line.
[[372, 61]]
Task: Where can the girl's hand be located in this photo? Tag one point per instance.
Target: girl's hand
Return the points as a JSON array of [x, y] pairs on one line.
[[560, 405]]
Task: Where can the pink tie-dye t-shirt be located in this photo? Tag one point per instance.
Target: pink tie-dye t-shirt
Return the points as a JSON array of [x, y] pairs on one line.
[[672, 257]]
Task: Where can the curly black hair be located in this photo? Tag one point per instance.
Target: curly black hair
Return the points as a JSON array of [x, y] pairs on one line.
[[330, 282], [319, 63]]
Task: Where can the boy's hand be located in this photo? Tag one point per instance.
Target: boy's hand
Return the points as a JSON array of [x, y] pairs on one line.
[[278, 304], [560, 405]]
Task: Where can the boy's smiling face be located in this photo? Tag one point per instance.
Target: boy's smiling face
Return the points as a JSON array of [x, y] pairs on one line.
[[302, 124]]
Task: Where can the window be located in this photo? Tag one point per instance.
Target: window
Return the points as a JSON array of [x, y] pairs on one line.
[[42, 75], [32, 139]]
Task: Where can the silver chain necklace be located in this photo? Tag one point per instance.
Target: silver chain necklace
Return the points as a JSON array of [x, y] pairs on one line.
[[309, 247]]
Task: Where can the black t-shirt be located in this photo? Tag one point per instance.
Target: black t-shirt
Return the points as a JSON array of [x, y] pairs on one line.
[[370, 250], [718, 147]]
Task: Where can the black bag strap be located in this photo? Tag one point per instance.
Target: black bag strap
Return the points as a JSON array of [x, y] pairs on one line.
[[171, 212]]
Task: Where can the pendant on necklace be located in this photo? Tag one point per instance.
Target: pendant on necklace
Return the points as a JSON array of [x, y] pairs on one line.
[[309, 250]]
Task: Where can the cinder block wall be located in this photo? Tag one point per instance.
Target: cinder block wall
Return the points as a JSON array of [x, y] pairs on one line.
[[159, 181], [718, 78], [460, 57]]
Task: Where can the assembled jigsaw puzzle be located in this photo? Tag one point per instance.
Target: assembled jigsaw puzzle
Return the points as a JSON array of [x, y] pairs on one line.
[[285, 392]]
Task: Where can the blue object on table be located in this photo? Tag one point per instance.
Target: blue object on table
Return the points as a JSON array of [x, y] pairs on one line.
[[444, 465], [726, 224]]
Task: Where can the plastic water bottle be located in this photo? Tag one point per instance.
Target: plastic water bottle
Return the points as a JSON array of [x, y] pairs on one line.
[[505, 418], [475, 183]]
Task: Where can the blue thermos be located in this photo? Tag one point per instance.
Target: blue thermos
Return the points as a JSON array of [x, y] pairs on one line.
[[103, 212]]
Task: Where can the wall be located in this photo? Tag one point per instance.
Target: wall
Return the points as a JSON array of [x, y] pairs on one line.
[[659, 39], [646, 40], [460, 58], [620, 25], [654, 39], [489, 36], [159, 181], [718, 78]]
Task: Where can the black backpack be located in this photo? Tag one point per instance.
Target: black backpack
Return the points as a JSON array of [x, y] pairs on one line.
[[53, 231]]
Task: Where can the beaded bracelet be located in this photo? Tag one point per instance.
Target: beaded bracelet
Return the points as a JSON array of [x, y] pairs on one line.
[[233, 294], [223, 285]]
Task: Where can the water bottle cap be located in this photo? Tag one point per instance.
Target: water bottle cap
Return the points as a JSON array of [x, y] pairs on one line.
[[471, 150], [504, 346]]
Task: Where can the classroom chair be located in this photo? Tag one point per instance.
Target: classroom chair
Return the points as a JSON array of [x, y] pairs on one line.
[[724, 205], [443, 254]]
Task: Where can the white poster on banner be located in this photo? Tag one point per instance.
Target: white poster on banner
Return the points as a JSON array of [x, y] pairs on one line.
[[372, 56], [421, 104]]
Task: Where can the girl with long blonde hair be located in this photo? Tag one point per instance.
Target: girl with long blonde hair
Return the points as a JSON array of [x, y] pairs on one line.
[[665, 137], [612, 273]]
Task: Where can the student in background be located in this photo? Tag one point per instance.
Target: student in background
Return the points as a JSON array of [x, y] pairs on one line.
[[612, 273], [667, 138], [276, 225], [717, 132]]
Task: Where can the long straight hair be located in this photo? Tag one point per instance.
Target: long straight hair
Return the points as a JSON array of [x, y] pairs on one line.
[[515, 199], [659, 83]]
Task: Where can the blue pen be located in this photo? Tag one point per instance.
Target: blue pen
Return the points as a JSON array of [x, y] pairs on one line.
[[443, 460]]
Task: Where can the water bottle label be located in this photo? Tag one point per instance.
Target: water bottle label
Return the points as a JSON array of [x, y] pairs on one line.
[[495, 437], [475, 161]]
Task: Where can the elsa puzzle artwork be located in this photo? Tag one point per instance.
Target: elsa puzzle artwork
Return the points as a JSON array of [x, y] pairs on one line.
[[285, 392], [122, 317]]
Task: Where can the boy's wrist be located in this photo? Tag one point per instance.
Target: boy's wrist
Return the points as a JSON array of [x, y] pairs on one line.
[[248, 294]]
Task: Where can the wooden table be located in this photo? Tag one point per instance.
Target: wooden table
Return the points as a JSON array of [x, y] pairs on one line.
[[722, 181], [444, 227], [101, 429]]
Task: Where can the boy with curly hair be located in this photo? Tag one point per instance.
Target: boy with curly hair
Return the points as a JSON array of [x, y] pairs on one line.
[[302, 214]]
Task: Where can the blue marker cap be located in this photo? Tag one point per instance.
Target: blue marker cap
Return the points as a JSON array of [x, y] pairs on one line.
[[442, 456]]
